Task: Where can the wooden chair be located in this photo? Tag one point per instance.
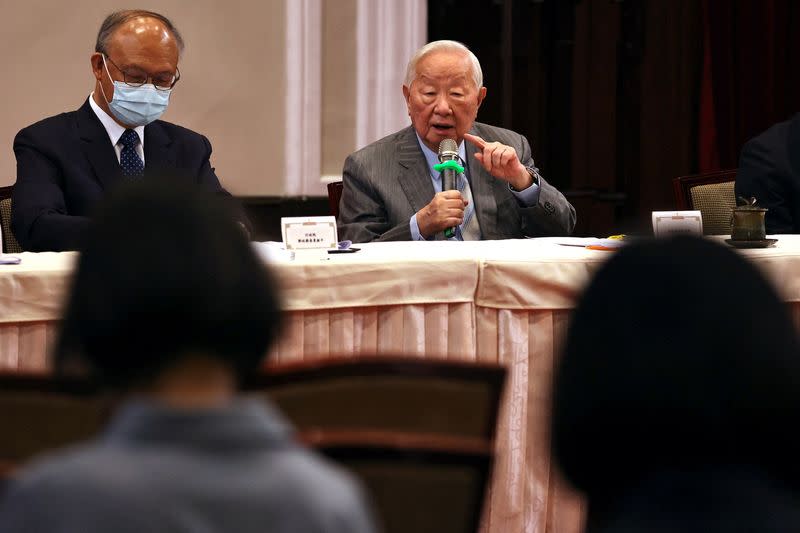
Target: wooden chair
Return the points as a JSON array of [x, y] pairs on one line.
[[334, 195], [425, 485], [399, 394], [10, 244], [712, 193], [418, 432], [40, 413]]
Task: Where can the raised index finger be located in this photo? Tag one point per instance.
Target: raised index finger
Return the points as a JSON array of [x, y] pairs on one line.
[[474, 139]]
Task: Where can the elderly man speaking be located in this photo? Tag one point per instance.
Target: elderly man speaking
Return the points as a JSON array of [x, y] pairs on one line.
[[393, 192], [67, 163]]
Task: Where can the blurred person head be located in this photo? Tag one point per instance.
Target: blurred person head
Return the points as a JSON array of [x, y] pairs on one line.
[[168, 297], [443, 91], [681, 362], [135, 65]]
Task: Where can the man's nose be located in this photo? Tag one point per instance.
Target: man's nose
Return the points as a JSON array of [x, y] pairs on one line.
[[442, 106]]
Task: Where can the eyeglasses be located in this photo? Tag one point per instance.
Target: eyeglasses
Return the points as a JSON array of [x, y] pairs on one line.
[[163, 81]]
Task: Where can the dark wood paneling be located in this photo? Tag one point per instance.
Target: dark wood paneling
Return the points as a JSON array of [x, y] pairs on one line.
[[265, 212], [629, 101], [755, 68], [670, 94], [605, 90]]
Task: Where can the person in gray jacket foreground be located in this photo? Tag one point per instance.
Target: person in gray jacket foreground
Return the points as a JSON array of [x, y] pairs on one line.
[[173, 311]]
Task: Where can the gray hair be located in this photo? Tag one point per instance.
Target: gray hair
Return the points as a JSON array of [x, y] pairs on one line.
[[444, 46], [118, 18]]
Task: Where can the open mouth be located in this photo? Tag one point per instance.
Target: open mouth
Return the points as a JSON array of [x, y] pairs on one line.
[[443, 128]]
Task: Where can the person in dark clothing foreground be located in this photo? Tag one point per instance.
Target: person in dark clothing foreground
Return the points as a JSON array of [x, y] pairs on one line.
[[676, 396], [171, 307]]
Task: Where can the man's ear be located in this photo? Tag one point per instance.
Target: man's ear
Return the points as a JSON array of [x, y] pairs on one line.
[[96, 61], [481, 95]]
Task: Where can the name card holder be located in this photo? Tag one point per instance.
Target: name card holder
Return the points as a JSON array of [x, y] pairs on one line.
[[667, 223], [309, 235]]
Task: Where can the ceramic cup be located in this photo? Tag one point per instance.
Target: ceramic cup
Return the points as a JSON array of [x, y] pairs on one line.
[[747, 223]]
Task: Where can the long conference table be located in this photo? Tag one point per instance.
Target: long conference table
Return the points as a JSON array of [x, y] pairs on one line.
[[497, 301]]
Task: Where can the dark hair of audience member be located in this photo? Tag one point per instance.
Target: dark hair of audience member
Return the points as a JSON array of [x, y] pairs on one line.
[[166, 272], [681, 361]]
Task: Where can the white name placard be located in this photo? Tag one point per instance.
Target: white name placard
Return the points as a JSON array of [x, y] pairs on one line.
[[309, 233], [677, 223]]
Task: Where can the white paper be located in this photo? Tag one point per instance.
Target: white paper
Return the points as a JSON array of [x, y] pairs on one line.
[[309, 233], [677, 223], [273, 252]]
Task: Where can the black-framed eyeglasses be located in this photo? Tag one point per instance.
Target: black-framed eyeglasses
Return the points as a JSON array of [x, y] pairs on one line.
[[134, 77]]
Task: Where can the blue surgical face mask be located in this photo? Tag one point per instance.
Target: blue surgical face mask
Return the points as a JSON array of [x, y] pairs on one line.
[[136, 106]]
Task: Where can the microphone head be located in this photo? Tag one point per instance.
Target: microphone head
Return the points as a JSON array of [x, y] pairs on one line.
[[448, 150]]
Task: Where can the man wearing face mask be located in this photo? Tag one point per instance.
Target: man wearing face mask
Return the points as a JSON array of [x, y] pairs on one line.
[[67, 163]]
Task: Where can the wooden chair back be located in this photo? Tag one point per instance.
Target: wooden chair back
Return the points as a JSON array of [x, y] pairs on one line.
[[401, 394], [10, 244], [712, 193], [41, 413], [334, 195], [418, 432], [420, 484]]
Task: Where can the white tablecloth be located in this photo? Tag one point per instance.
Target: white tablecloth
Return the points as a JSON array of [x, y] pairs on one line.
[[499, 301]]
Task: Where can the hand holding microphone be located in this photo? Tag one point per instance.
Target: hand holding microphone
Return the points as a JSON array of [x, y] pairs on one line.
[[446, 210], [448, 165]]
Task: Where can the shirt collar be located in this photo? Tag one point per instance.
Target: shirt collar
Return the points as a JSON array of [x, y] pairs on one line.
[[432, 158], [113, 129]]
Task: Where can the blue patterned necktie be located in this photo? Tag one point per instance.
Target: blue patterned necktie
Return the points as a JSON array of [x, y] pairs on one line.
[[129, 160], [469, 228]]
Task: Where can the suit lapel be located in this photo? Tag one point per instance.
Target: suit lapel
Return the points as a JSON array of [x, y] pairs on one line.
[[97, 147], [482, 184], [414, 175], [157, 154]]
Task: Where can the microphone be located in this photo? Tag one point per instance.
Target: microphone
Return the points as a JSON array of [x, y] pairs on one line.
[[448, 151]]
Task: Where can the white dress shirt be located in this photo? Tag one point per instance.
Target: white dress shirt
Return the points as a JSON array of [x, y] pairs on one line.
[[526, 197], [115, 131]]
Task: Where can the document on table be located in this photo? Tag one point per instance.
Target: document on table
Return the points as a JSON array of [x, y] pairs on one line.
[[594, 244], [273, 252]]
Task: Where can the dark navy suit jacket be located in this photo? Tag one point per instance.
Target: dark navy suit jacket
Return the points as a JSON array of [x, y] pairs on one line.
[[66, 164], [769, 169]]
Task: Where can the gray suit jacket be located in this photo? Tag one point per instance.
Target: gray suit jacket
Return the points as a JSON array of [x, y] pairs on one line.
[[388, 181]]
